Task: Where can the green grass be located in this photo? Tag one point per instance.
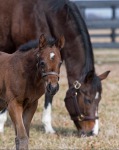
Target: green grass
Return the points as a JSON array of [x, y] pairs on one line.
[[67, 136]]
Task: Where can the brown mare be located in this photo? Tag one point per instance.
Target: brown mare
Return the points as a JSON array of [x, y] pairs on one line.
[[27, 19], [25, 76]]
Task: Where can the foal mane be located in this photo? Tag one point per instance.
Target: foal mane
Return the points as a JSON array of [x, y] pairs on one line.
[[34, 44], [29, 45], [81, 28]]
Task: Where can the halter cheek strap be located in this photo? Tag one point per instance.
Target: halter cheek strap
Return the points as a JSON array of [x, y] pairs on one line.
[[79, 116], [73, 106]]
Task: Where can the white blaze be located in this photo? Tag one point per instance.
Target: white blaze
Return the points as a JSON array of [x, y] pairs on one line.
[[96, 126], [52, 55], [97, 95]]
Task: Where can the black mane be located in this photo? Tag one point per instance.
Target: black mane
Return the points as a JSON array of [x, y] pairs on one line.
[[29, 45], [34, 44], [82, 29], [57, 5]]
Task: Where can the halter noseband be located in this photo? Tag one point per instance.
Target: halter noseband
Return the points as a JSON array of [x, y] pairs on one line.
[[50, 73], [77, 116]]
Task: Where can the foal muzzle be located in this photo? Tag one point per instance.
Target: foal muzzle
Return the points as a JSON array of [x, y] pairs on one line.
[[51, 88]]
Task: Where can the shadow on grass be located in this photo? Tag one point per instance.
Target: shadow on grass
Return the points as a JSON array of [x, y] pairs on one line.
[[60, 131], [66, 132]]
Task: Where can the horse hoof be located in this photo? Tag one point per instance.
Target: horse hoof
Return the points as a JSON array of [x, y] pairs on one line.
[[51, 131]]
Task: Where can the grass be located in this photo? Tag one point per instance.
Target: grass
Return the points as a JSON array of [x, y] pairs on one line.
[[67, 136]]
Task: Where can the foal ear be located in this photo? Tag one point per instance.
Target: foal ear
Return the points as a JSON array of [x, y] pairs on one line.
[[104, 75], [61, 42], [89, 77], [42, 41]]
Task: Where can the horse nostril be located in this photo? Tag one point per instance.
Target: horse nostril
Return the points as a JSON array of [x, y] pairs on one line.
[[49, 87], [85, 134], [52, 89]]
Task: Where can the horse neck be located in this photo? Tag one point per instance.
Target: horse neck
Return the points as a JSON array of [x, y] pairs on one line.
[[29, 62], [78, 52]]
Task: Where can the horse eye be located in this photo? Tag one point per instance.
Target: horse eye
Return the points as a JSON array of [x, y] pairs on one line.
[[87, 101], [42, 64]]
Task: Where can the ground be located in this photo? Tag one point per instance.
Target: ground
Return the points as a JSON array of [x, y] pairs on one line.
[[67, 137]]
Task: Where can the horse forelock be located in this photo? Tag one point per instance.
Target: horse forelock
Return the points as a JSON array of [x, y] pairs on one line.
[[96, 84]]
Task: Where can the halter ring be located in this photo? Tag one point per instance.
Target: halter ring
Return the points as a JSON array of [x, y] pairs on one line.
[[77, 85]]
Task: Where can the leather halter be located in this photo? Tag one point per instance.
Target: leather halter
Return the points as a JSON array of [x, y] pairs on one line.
[[75, 112], [50, 73]]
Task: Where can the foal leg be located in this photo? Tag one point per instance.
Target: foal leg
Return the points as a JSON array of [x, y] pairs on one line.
[[46, 118], [3, 119], [28, 115], [16, 111], [3, 115]]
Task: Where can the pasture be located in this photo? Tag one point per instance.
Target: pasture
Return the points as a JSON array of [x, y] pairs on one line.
[[66, 136]]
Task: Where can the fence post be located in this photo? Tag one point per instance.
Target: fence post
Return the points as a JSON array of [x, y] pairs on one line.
[[113, 30]]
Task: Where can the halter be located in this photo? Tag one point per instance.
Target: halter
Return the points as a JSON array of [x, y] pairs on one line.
[[75, 112], [50, 73]]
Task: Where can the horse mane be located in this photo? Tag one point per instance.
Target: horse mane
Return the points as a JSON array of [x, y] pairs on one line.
[[82, 29], [57, 5], [29, 45], [34, 44]]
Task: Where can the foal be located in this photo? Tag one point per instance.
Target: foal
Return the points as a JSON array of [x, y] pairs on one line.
[[24, 77]]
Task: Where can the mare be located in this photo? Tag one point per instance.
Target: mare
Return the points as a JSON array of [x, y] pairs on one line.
[[25, 76], [22, 21]]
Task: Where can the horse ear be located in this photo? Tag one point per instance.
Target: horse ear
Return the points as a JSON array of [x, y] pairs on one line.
[[89, 77], [104, 75], [61, 42], [42, 41]]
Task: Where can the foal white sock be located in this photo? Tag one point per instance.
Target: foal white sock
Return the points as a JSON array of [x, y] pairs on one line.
[[3, 119], [46, 119]]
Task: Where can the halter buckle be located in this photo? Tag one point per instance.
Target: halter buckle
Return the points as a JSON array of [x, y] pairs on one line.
[[79, 118], [77, 85]]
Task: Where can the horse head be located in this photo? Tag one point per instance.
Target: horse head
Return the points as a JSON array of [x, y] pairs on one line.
[[82, 102], [50, 61]]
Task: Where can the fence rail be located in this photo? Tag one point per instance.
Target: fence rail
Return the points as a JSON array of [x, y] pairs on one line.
[[100, 23]]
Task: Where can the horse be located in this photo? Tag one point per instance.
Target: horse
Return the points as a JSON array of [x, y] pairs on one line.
[[25, 76], [26, 20]]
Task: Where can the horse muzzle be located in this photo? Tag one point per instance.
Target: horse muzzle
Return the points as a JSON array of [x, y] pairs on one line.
[[85, 134], [52, 88]]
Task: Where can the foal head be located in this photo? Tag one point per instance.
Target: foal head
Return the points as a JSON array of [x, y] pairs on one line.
[[50, 62], [84, 99]]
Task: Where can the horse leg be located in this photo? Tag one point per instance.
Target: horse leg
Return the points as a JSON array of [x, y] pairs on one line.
[[16, 110], [3, 115], [3, 119], [46, 118], [28, 115]]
